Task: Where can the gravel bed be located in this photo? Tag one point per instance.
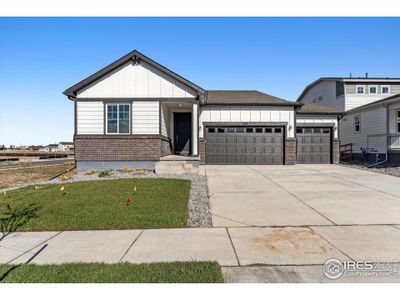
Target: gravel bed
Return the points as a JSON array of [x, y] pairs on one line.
[[388, 170], [199, 205]]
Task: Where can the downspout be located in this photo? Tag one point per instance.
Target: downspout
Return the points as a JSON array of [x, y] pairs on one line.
[[387, 140]]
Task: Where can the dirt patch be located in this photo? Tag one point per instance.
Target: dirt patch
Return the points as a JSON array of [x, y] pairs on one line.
[[285, 240], [20, 176]]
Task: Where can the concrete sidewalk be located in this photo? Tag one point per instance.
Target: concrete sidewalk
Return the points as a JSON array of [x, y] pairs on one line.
[[228, 246]]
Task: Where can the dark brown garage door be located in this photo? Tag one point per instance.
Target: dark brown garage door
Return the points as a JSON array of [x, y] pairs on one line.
[[313, 145], [244, 145]]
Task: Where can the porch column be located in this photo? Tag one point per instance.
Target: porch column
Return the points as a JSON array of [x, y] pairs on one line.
[[195, 129]]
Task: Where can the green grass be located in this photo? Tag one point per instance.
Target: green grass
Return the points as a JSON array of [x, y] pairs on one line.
[[156, 203], [190, 272]]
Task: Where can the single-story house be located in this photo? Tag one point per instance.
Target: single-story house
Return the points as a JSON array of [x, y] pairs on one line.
[[374, 130], [136, 112]]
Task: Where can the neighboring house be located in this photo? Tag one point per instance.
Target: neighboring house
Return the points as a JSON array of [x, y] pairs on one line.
[[370, 108], [65, 146], [348, 93], [375, 127], [135, 112], [49, 148]]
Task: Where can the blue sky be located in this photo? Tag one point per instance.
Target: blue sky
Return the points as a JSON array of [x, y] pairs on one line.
[[41, 57]]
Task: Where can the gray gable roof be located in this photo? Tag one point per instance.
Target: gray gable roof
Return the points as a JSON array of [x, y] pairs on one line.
[[234, 97], [314, 108], [135, 56]]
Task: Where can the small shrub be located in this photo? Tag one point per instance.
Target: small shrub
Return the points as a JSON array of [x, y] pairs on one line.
[[141, 172], [90, 172], [105, 173], [126, 170]]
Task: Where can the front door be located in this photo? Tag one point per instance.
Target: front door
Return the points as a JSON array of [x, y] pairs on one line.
[[182, 133]]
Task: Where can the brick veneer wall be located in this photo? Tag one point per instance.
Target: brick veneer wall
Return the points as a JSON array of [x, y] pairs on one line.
[[120, 148], [290, 151], [202, 151], [165, 147], [335, 151]]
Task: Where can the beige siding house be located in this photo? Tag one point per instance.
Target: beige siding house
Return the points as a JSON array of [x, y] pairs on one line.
[[370, 108]]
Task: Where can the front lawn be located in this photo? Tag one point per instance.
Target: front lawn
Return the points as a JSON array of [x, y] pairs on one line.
[[101, 204], [177, 272]]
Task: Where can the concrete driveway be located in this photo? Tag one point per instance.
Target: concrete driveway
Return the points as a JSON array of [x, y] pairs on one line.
[[301, 195], [286, 221]]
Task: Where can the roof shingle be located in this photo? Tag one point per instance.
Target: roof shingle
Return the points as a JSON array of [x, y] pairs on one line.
[[235, 97], [315, 108]]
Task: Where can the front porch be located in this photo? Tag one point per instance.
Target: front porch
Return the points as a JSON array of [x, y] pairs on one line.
[[179, 123]]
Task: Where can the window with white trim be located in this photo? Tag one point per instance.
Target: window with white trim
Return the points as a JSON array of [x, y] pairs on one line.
[[373, 89], [398, 121], [360, 89], [118, 119], [385, 89], [357, 124]]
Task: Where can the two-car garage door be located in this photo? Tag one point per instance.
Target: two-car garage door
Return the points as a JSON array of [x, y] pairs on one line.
[[244, 145]]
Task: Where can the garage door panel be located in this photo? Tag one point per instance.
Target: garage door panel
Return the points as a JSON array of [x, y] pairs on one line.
[[313, 145], [244, 145]]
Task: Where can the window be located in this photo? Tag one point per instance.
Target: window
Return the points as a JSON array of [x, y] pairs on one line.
[[230, 130], [118, 118], [211, 130], [249, 130], [385, 89], [258, 130], [278, 130], [373, 89], [268, 130], [357, 124], [398, 121], [239, 130], [299, 130], [326, 130], [317, 100], [307, 130], [221, 130], [360, 89], [317, 130]]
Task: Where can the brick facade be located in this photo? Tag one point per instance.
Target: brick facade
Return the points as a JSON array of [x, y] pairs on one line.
[[290, 151], [335, 151], [120, 148], [202, 151], [166, 148]]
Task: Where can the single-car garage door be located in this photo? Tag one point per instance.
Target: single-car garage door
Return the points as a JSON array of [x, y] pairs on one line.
[[244, 145], [313, 145]]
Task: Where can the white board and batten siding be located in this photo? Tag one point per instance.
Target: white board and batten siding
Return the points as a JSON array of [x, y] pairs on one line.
[[145, 117], [90, 117], [373, 130], [301, 120], [136, 81], [247, 114]]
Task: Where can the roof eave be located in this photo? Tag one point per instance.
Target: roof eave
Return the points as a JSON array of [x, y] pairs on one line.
[[255, 103], [71, 92]]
